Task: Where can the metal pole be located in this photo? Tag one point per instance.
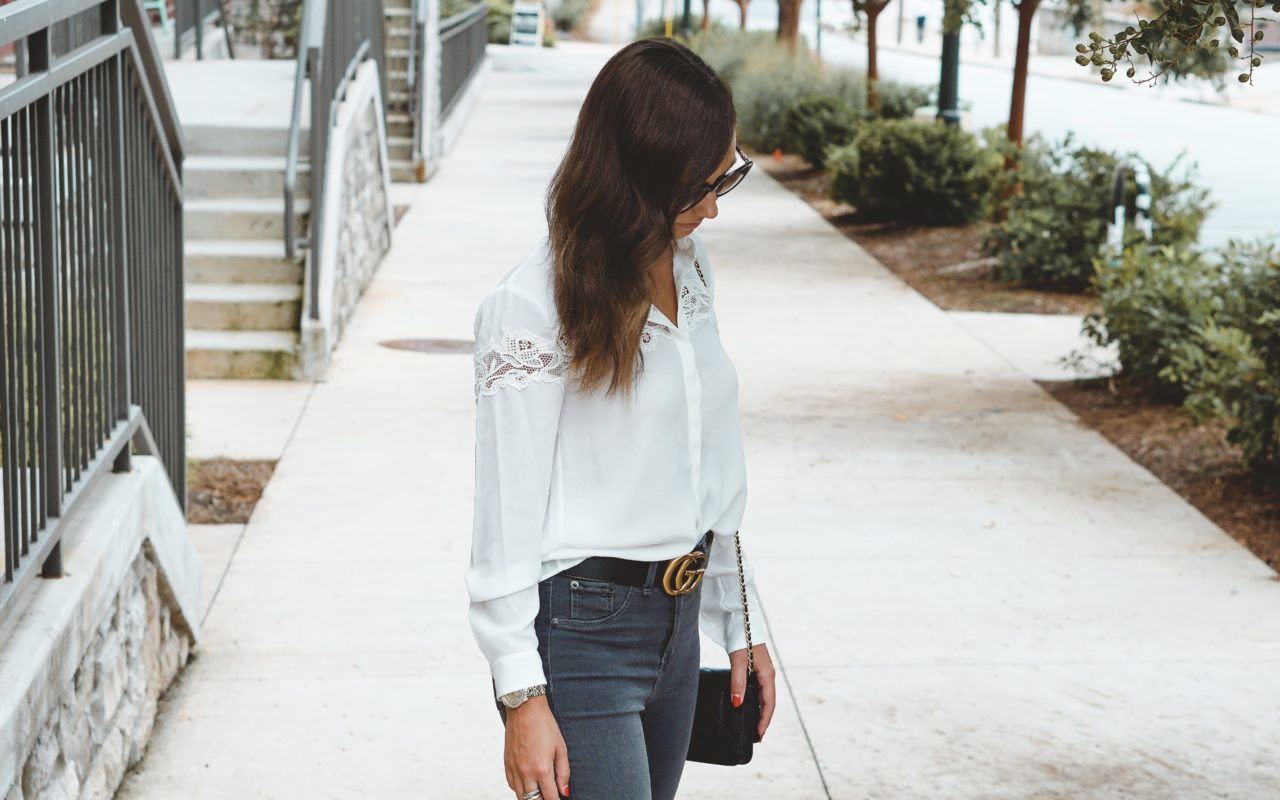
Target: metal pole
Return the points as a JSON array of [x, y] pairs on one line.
[[46, 221], [949, 85], [685, 25], [817, 37]]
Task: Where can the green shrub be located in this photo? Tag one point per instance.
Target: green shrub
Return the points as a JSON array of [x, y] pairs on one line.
[[450, 7], [498, 21], [1149, 303], [1230, 364], [568, 14], [813, 122], [1047, 234], [765, 78], [1202, 329], [910, 172], [900, 100]]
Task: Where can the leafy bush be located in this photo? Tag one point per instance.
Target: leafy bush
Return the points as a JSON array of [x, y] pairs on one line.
[[1201, 329], [1230, 365], [568, 14], [1047, 233], [910, 172], [1150, 302], [813, 122], [900, 100], [498, 21], [765, 78]]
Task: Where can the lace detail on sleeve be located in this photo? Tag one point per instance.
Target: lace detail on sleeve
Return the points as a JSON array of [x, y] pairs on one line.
[[521, 358]]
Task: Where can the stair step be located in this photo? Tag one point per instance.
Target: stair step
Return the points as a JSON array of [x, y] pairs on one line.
[[238, 217], [206, 177], [239, 261], [403, 171], [243, 306], [393, 11], [237, 140], [242, 354]]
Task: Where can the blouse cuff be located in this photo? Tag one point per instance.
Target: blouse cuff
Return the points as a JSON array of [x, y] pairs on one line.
[[735, 630], [517, 671]]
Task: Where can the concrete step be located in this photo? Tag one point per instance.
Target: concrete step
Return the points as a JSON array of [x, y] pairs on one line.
[[238, 217], [239, 261], [403, 171], [241, 354], [238, 140], [397, 77], [235, 176], [399, 128], [399, 147], [390, 11], [243, 306]]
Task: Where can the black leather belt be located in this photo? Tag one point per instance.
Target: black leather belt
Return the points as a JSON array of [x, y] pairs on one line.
[[679, 575]]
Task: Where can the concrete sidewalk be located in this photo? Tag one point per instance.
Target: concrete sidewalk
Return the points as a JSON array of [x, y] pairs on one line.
[[970, 594]]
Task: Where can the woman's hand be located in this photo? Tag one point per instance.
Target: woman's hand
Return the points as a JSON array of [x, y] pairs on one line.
[[536, 756], [764, 674]]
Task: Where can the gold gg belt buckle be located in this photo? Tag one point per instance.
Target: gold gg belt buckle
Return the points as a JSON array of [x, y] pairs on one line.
[[684, 573]]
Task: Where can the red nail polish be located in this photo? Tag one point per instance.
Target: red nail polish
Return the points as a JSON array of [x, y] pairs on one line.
[[566, 790], [737, 700]]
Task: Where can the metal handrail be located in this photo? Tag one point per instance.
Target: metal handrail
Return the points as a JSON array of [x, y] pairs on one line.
[[469, 30], [336, 36], [90, 269], [310, 35], [189, 11]]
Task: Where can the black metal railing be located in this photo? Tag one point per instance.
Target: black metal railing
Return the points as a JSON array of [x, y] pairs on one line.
[[190, 17], [413, 75], [336, 36], [91, 270], [462, 40]]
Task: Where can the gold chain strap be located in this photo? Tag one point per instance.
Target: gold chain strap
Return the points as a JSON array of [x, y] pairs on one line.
[[746, 616]]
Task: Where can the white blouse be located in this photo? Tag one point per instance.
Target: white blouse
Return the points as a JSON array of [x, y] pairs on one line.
[[562, 475]]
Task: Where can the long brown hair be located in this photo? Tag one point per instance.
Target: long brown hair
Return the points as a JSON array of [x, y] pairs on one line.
[[655, 124]]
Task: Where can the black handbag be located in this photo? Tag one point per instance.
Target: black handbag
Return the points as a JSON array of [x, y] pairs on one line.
[[723, 734]]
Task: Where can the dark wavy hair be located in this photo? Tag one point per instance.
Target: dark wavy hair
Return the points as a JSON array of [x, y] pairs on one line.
[[655, 124]]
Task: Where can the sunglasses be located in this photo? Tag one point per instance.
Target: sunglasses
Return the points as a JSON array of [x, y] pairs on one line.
[[722, 185]]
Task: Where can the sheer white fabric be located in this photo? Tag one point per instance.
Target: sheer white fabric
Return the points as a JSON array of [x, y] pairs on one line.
[[562, 475]]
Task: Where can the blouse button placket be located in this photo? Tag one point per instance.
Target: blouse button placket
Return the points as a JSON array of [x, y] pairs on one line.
[[693, 399]]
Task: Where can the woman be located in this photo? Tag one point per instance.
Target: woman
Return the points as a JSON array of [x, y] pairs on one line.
[[608, 446]]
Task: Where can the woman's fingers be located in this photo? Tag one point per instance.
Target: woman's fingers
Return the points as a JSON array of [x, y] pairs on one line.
[[737, 676], [767, 700], [562, 770]]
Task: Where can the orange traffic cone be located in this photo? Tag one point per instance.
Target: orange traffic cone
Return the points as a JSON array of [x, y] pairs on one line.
[[777, 154]]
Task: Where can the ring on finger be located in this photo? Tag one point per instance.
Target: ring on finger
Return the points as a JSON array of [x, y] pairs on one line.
[[533, 795]]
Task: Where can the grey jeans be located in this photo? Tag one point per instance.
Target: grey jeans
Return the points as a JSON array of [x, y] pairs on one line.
[[622, 676]]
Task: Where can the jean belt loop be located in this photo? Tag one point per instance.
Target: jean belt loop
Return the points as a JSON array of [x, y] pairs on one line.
[[650, 578]]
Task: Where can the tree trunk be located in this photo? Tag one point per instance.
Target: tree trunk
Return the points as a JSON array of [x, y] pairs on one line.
[[742, 15], [873, 74], [706, 14], [789, 22], [1026, 11]]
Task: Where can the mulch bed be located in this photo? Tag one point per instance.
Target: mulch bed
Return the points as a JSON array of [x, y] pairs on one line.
[[222, 490], [945, 265]]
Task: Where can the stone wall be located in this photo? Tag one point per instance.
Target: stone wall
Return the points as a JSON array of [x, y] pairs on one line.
[[365, 235], [103, 718]]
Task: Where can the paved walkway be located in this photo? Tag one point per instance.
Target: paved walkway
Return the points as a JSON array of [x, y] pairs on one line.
[[970, 594]]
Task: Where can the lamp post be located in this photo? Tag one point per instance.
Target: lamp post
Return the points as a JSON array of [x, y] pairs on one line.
[[949, 82]]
